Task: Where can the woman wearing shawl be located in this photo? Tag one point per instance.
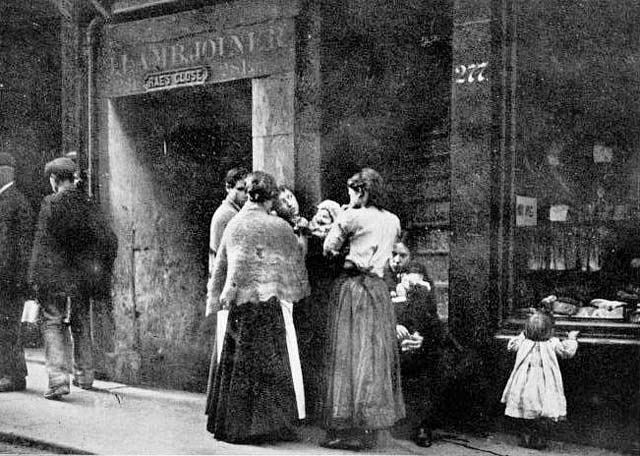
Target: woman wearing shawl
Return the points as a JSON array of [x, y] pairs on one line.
[[258, 274], [363, 393]]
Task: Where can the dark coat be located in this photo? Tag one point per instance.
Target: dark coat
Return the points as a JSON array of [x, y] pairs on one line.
[[74, 247], [419, 313], [16, 229]]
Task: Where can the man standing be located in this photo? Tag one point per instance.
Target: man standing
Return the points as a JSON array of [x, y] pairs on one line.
[[16, 218], [72, 260], [236, 197]]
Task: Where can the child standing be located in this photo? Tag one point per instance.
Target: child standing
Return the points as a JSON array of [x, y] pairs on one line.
[[534, 391]]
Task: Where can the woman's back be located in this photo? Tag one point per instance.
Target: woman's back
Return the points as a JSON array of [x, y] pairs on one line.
[[370, 233], [261, 259]]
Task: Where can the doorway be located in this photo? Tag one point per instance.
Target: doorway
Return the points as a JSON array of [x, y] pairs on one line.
[[168, 155]]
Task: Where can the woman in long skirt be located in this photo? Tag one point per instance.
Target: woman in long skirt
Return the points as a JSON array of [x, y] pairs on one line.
[[363, 370], [259, 272]]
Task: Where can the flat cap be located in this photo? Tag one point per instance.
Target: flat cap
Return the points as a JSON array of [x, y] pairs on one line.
[[7, 159], [60, 166]]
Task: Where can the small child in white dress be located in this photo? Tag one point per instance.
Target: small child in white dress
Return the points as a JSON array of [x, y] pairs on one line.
[[534, 391]]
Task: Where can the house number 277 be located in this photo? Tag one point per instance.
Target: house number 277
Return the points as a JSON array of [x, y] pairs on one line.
[[470, 73]]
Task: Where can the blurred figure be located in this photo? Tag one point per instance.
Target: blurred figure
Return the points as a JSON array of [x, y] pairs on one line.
[[16, 228], [235, 187], [258, 273], [71, 262], [364, 397], [286, 207]]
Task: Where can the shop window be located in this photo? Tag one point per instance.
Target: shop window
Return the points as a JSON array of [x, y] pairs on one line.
[[576, 192]]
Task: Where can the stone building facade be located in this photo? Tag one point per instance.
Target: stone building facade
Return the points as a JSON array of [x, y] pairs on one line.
[[309, 91], [161, 97]]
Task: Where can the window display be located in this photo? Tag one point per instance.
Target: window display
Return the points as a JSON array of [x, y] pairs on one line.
[[576, 234]]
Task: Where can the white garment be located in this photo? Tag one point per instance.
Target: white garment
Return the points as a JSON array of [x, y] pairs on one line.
[[221, 329], [6, 186], [294, 357], [370, 233], [535, 389]]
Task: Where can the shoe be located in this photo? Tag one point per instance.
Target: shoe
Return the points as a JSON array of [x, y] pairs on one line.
[[287, 435], [7, 384], [424, 437], [537, 443], [84, 386], [56, 392], [351, 444]]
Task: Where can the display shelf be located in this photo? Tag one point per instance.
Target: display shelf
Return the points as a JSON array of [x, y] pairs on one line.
[[592, 331]]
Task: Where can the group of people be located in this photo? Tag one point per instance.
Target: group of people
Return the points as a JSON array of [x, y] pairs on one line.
[[331, 320], [328, 319], [63, 268], [340, 290]]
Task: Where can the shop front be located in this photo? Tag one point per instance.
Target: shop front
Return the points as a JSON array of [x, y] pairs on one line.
[[179, 92], [180, 99], [561, 129]]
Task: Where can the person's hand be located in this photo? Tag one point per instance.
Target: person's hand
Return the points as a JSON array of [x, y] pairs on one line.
[[417, 340], [401, 290], [411, 344], [319, 231], [635, 263], [402, 332], [227, 297], [302, 223], [225, 304], [414, 279], [573, 335]]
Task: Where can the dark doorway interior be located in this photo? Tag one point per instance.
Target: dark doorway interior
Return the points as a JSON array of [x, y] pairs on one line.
[[199, 158], [168, 155]]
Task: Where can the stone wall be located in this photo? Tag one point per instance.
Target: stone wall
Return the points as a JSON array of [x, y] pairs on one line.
[[168, 155], [371, 88], [30, 89], [385, 70]]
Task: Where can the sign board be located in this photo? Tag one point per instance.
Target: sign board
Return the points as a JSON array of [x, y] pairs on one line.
[[558, 213], [602, 154], [130, 67], [177, 78], [526, 211]]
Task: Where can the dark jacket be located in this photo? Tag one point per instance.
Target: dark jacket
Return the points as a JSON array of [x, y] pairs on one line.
[[418, 313], [16, 229], [74, 247]]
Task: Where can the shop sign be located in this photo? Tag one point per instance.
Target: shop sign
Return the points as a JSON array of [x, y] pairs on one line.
[[173, 79], [526, 211], [130, 67]]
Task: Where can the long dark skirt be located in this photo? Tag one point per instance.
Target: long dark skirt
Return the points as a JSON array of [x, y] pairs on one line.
[[363, 364], [252, 395]]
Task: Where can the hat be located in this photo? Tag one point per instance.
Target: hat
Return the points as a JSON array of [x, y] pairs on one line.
[[60, 167], [7, 160]]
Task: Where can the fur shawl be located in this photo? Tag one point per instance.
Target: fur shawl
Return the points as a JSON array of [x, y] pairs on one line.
[[259, 258]]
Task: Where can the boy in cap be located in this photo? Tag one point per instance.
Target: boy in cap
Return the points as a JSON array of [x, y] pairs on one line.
[[16, 218], [72, 259]]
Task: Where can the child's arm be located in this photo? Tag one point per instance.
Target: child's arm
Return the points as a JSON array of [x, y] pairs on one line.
[[514, 343], [567, 348]]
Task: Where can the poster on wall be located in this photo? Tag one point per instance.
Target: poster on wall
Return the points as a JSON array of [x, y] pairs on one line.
[[526, 211], [558, 213]]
